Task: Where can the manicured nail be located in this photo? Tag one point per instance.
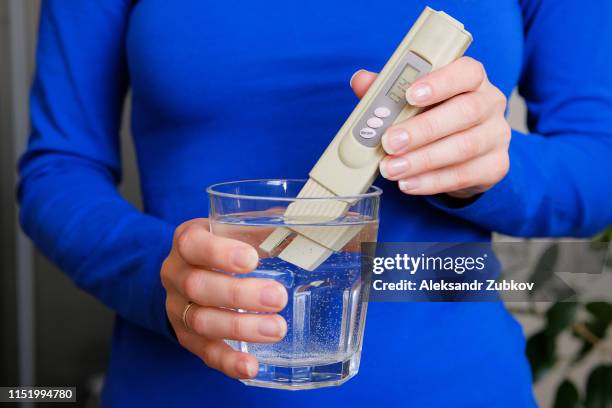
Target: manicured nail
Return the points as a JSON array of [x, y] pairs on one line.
[[394, 140], [394, 167], [269, 327], [247, 368], [419, 94], [353, 77], [409, 184], [272, 296], [244, 258]]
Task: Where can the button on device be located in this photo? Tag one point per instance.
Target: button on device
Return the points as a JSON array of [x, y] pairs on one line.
[[382, 112], [374, 123], [367, 133]]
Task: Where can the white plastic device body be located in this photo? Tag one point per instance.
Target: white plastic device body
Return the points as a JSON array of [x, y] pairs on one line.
[[350, 163]]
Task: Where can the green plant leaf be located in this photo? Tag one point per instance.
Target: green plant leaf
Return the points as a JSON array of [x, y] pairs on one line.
[[560, 316], [604, 236], [598, 327], [543, 270], [599, 389], [541, 346], [601, 311], [567, 396], [584, 350], [540, 352]]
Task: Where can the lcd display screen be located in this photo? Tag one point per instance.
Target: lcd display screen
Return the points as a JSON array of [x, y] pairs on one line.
[[397, 92]]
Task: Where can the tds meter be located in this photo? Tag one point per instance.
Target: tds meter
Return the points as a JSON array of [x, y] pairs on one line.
[[349, 165]]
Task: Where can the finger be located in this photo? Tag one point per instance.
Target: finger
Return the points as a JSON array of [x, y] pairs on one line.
[[209, 288], [198, 247], [218, 355], [464, 75], [453, 149], [457, 114], [478, 173], [214, 323], [361, 81]]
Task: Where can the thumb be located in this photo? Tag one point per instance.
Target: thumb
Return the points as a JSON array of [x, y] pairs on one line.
[[361, 81]]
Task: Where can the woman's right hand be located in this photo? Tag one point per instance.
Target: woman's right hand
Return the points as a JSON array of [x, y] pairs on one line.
[[190, 274]]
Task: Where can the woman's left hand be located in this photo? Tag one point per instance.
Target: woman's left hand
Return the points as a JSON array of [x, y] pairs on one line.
[[460, 145]]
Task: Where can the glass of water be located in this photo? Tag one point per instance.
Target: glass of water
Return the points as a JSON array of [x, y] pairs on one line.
[[327, 306]]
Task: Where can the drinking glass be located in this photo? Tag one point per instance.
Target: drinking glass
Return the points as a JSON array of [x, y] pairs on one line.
[[326, 308]]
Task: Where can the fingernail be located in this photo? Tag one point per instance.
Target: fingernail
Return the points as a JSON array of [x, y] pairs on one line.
[[272, 296], [395, 166], [244, 258], [409, 184], [269, 327], [353, 77], [394, 140], [247, 368], [419, 94]]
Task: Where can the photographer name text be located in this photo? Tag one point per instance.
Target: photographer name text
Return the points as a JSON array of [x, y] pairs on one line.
[[442, 285]]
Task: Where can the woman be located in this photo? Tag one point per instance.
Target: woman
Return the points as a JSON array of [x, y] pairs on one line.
[[243, 90]]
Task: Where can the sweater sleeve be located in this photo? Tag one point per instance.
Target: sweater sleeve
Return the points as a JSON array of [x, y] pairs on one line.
[[560, 178], [69, 203]]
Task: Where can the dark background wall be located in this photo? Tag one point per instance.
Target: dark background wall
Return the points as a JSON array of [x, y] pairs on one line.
[[8, 324]]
